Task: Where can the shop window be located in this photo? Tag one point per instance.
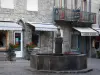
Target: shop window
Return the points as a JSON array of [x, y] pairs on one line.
[[35, 38], [2, 39], [96, 45], [96, 42], [18, 41]]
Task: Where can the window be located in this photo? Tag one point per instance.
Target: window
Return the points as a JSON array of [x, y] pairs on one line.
[[7, 4], [2, 38], [35, 38], [18, 40], [32, 5]]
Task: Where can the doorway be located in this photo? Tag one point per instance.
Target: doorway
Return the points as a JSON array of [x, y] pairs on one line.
[[18, 40]]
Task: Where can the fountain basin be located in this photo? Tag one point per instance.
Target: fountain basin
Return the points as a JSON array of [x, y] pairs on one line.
[[58, 62]]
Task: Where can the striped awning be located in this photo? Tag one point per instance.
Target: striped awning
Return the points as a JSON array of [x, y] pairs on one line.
[[10, 26], [86, 31], [44, 26]]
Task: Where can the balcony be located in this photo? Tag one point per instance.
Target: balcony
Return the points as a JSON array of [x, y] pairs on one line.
[[62, 14]]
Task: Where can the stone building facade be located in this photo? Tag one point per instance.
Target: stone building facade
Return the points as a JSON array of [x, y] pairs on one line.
[[43, 15], [73, 14]]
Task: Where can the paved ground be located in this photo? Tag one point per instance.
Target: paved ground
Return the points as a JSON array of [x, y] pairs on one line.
[[21, 67]]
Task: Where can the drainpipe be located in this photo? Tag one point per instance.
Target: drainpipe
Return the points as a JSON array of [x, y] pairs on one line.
[[90, 18]]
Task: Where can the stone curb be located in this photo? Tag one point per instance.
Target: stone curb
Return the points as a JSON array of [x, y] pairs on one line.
[[76, 71]]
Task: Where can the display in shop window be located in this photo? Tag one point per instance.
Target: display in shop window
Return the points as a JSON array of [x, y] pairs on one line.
[[17, 41]]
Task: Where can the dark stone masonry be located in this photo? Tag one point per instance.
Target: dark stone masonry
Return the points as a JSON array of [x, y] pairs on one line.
[[58, 62]]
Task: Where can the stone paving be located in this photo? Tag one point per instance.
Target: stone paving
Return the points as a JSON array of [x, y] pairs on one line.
[[22, 67]]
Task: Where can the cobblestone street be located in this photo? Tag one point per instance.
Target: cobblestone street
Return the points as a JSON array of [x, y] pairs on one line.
[[22, 67]]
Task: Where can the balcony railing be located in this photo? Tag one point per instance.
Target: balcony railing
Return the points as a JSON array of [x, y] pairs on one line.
[[74, 15]]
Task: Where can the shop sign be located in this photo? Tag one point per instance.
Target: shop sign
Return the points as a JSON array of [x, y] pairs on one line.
[[89, 34]]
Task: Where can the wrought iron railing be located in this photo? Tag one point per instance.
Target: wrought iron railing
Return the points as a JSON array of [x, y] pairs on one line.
[[74, 15]]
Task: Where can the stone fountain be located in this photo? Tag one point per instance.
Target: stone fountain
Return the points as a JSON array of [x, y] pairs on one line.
[[58, 61]]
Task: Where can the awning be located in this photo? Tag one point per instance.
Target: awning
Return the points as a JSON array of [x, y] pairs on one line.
[[10, 26], [98, 30], [96, 27], [44, 26], [86, 31]]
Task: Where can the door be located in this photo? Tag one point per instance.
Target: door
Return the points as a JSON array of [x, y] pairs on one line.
[[18, 40]]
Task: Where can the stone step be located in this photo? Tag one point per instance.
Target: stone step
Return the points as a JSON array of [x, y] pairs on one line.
[[3, 56]]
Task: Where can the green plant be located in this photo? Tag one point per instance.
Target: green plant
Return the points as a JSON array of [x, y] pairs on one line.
[[30, 45], [98, 54], [29, 48], [13, 45], [11, 52]]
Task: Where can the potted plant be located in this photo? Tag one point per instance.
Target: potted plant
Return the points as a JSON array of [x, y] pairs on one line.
[[98, 54], [29, 48], [11, 51]]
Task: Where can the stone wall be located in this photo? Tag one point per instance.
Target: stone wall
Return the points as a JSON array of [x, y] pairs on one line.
[[58, 62], [44, 14], [66, 36], [47, 42]]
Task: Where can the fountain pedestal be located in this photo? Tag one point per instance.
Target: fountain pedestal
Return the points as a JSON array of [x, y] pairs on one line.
[[58, 62], [58, 45]]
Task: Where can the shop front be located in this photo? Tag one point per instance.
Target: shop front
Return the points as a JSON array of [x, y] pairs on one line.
[[8, 34], [82, 37], [96, 40], [43, 36]]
